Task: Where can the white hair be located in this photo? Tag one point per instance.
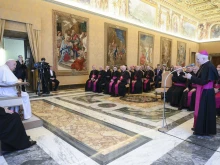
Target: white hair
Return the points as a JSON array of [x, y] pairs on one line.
[[10, 60], [202, 56]]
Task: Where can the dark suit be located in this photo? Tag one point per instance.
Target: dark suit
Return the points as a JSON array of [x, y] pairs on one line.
[[20, 72], [54, 80], [158, 77]]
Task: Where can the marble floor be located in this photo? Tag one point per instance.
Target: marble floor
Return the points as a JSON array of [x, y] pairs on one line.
[[85, 128]]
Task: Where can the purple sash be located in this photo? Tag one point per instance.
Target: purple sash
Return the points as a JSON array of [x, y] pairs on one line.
[[110, 84], [217, 86], [217, 99], [145, 83], [189, 98], [133, 84], [94, 86], [199, 90], [89, 82], [179, 84], [116, 86]]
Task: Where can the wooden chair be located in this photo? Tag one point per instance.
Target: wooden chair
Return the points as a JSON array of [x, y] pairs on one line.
[[11, 101], [168, 83]]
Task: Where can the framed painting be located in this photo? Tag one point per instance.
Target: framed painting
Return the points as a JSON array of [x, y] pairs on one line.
[[165, 51], [145, 49], [70, 44], [115, 45], [181, 53]]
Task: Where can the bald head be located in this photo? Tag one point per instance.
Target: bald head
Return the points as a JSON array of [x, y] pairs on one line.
[[11, 64], [123, 67]]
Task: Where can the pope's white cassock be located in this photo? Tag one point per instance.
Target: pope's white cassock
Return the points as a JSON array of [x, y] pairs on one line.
[[7, 77]]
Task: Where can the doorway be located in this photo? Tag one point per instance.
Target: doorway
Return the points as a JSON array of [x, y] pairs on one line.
[[215, 59], [17, 43]]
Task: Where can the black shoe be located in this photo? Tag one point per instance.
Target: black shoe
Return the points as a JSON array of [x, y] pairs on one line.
[[32, 143]]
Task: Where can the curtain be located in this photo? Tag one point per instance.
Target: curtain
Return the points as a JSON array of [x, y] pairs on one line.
[[2, 27], [34, 40]]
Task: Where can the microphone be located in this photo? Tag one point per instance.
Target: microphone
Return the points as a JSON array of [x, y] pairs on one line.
[[190, 65]]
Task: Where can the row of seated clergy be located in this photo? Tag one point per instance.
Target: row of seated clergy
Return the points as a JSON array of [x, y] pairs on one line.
[[97, 79], [139, 80], [188, 99]]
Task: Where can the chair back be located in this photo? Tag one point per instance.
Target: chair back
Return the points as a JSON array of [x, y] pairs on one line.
[[169, 80]]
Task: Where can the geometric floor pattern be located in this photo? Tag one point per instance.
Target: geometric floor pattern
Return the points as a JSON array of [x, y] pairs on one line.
[[91, 129]]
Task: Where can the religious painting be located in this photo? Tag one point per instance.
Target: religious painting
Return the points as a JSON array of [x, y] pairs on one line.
[[145, 49], [181, 53], [202, 31], [175, 22], [70, 44], [143, 12], [115, 45], [165, 51], [188, 29], [164, 19], [215, 31]]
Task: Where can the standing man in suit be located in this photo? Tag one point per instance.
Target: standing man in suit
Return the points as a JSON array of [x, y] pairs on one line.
[[53, 79], [20, 70]]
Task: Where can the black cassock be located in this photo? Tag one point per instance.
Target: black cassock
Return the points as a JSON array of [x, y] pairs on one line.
[[108, 75], [136, 87], [97, 86], [184, 99], [89, 83], [149, 75], [175, 92], [124, 80], [114, 78], [12, 133], [206, 120], [132, 73]]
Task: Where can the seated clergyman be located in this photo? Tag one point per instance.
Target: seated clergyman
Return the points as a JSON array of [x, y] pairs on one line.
[[12, 134], [7, 78]]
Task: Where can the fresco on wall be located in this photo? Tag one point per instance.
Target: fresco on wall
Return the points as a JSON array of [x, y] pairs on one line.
[[175, 23], [202, 31], [70, 44], [189, 30], [215, 31], [181, 53], [146, 49], [118, 7], [164, 19], [116, 45], [99, 4], [142, 12], [165, 51]]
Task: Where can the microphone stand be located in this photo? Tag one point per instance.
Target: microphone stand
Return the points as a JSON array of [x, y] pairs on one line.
[[164, 95]]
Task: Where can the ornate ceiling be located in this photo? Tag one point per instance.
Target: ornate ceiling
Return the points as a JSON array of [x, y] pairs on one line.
[[200, 10]]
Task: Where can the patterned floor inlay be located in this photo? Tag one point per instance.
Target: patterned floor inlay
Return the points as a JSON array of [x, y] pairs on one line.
[[141, 104], [155, 115], [30, 156], [102, 141], [139, 98]]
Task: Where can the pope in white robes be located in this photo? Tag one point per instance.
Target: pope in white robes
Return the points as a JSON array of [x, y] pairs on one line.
[[7, 78]]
